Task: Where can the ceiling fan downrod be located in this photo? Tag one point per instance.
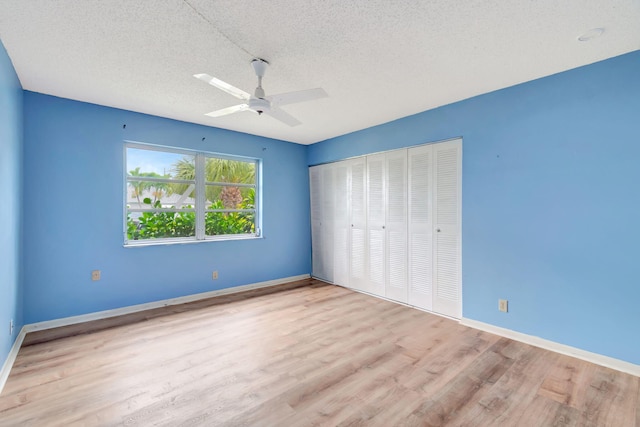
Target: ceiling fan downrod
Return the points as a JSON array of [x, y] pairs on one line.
[[260, 67]]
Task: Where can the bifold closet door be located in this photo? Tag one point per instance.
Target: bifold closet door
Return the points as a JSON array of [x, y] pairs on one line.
[[434, 216], [341, 224], [328, 221], [315, 184], [447, 297], [358, 224], [420, 227], [395, 225], [387, 225], [376, 208]]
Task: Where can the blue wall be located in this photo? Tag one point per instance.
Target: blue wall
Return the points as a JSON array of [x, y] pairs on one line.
[[73, 212], [551, 201], [11, 96]]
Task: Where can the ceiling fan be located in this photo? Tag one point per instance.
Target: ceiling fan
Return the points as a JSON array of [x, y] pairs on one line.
[[258, 102]]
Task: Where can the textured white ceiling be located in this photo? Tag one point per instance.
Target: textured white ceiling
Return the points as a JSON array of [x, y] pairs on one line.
[[379, 60]]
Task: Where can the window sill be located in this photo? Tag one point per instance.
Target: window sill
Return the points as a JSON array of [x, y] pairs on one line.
[[151, 242]]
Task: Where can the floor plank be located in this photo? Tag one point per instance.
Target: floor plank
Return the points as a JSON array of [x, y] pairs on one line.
[[303, 354]]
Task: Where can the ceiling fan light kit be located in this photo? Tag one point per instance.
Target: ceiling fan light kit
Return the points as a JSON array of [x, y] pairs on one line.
[[259, 102]]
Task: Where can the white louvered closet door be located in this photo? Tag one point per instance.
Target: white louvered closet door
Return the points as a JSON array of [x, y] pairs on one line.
[[328, 221], [420, 227], [447, 298], [375, 224], [341, 225], [317, 247], [395, 227], [358, 224], [390, 224]]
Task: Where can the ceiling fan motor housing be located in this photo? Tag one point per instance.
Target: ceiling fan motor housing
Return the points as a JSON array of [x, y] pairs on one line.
[[259, 105]]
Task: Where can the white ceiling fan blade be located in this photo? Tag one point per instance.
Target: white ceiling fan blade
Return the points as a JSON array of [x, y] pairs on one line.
[[231, 90], [283, 116], [298, 96], [228, 110]]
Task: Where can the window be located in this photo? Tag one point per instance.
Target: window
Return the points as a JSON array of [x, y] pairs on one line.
[[175, 195]]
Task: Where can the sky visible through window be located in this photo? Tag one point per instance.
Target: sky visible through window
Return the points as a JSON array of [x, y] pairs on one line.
[[152, 161]]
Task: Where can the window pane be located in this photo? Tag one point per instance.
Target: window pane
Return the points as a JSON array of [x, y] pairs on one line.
[[155, 225], [235, 171], [229, 197], [219, 223], [160, 164], [156, 195]]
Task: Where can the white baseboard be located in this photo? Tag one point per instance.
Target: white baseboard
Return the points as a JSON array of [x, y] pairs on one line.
[[11, 357], [598, 359], [66, 321]]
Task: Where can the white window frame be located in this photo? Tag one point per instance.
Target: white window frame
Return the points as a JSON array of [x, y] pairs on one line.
[[200, 208]]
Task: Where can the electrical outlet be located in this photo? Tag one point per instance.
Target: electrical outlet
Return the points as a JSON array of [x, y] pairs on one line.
[[11, 327], [214, 275], [95, 275], [503, 305]]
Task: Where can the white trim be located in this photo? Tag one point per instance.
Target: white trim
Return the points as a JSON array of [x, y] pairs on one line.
[[66, 321], [598, 359], [11, 358], [362, 156]]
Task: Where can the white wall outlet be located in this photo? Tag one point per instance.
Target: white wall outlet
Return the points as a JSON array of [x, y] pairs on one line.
[[214, 275], [11, 327], [95, 275], [503, 305]]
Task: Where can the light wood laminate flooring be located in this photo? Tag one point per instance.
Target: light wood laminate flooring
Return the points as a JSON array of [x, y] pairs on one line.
[[303, 354]]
